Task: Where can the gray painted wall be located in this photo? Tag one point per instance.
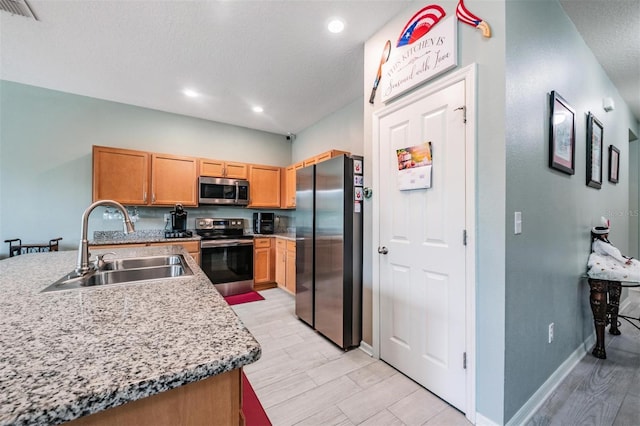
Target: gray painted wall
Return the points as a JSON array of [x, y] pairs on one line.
[[45, 157], [340, 130], [489, 56], [544, 264], [634, 198]]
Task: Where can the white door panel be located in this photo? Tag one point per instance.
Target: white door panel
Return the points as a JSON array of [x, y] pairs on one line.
[[422, 278]]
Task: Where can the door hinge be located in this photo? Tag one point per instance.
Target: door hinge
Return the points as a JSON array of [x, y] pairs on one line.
[[464, 237], [464, 360], [464, 113]]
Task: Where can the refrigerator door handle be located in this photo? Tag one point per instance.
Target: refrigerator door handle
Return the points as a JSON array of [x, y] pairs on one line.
[[383, 250]]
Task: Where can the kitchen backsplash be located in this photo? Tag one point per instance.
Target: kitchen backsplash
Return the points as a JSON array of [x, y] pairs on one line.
[[152, 218]]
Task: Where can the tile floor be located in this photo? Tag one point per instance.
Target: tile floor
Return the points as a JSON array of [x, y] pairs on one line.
[[303, 379]]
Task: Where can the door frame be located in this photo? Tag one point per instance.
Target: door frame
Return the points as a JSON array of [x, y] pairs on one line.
[[468, 75]]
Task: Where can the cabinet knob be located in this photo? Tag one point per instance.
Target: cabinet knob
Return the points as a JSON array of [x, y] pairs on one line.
[[383, 250]]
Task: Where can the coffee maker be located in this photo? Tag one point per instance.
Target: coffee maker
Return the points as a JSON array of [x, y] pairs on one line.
[[178, 223]]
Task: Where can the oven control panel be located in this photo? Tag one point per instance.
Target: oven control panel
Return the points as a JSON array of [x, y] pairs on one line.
[[212, 223]]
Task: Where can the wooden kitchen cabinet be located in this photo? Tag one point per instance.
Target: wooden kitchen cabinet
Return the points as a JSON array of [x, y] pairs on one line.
[[173, 180], [141, 178], [121, 175], [263, 263], [264, 186], [289, 187], [291, 267], [286, 265], [281, 262], [192, 247], [223, 169], [324, 156]]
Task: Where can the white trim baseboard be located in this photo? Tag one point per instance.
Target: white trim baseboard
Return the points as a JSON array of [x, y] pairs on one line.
[[366, 348], [525, 412], [484, 421]]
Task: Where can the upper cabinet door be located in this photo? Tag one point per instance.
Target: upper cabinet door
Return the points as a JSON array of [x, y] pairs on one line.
[[236, 170], [174, 180], [121, 175], [212, 168], [264, 186], [289, 197], [225, 169]]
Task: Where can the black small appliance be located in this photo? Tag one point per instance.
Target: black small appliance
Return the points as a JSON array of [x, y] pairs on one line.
[[263, 223], [178, 223]]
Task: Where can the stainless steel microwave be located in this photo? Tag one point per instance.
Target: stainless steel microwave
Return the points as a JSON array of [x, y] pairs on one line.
[[233, 192]]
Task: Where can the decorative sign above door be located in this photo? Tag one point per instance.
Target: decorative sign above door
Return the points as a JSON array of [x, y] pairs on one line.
[[426, 48]]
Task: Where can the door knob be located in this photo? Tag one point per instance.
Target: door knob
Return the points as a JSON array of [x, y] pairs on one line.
[[383, 250]]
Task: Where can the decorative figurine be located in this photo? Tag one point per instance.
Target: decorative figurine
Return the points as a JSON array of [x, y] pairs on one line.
[[606, 262]]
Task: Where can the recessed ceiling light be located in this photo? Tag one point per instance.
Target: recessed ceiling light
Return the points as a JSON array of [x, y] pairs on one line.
[[336, 26], [257, 109], [190, 93]]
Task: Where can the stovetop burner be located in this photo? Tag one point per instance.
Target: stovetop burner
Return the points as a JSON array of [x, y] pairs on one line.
[[178, 234]]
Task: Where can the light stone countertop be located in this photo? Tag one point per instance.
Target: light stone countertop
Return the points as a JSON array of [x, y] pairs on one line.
[[141, 236], [291, 236], [67, 354]]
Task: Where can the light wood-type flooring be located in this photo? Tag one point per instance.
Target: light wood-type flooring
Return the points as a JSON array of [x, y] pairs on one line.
[[601, 392], [304, 379]]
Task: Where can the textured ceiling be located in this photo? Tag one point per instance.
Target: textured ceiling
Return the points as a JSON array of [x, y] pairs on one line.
[[276, 54], [611, 29], [239, 53]]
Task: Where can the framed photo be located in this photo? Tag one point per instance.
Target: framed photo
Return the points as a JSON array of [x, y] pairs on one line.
[[614, 164], [562, 135], [594, 152]]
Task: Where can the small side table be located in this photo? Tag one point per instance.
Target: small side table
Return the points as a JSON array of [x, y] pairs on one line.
[[605, 302], [16, 247]]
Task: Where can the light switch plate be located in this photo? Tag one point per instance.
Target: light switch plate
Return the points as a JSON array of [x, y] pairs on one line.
[[517, 223]]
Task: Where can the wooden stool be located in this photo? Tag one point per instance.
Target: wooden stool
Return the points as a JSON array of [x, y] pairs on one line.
[[19, 248]]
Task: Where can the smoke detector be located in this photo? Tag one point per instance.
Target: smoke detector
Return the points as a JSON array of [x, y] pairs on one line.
[[17, 7]]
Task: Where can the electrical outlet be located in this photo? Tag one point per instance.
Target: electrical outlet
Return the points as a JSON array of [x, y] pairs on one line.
[[167, 217], [550, 332]]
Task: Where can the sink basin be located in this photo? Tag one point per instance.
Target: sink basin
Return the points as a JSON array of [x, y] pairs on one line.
[[142, 262], [128, 270]]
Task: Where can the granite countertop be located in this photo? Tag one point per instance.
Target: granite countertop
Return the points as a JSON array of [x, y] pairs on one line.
[[67, 354], [291, 236], [142, 236]]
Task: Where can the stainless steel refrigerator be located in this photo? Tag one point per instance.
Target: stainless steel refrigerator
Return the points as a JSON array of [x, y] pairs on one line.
[[328, 221]]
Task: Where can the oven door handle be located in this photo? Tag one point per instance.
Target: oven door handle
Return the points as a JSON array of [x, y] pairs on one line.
[[204, 244]]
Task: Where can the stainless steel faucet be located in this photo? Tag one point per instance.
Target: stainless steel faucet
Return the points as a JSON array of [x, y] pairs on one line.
[[84, 266]]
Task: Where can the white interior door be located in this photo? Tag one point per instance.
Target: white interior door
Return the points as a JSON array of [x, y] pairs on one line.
[[422, 276]]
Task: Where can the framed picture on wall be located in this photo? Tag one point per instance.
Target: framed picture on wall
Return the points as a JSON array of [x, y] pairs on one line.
[[562, 135], [614, 164], [594, 152]]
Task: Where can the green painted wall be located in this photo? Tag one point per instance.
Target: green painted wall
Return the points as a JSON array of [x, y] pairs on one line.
[[45, 157]]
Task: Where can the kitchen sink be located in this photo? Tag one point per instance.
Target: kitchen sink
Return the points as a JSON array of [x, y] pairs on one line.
[[142, 262], [128, 270]]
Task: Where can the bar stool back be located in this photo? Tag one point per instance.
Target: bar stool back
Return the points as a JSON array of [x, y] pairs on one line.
[[16, 247]]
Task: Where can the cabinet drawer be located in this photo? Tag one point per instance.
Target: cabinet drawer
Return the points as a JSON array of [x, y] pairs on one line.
[[262, 242], [291, 245], [280, 243], [190, 246]]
